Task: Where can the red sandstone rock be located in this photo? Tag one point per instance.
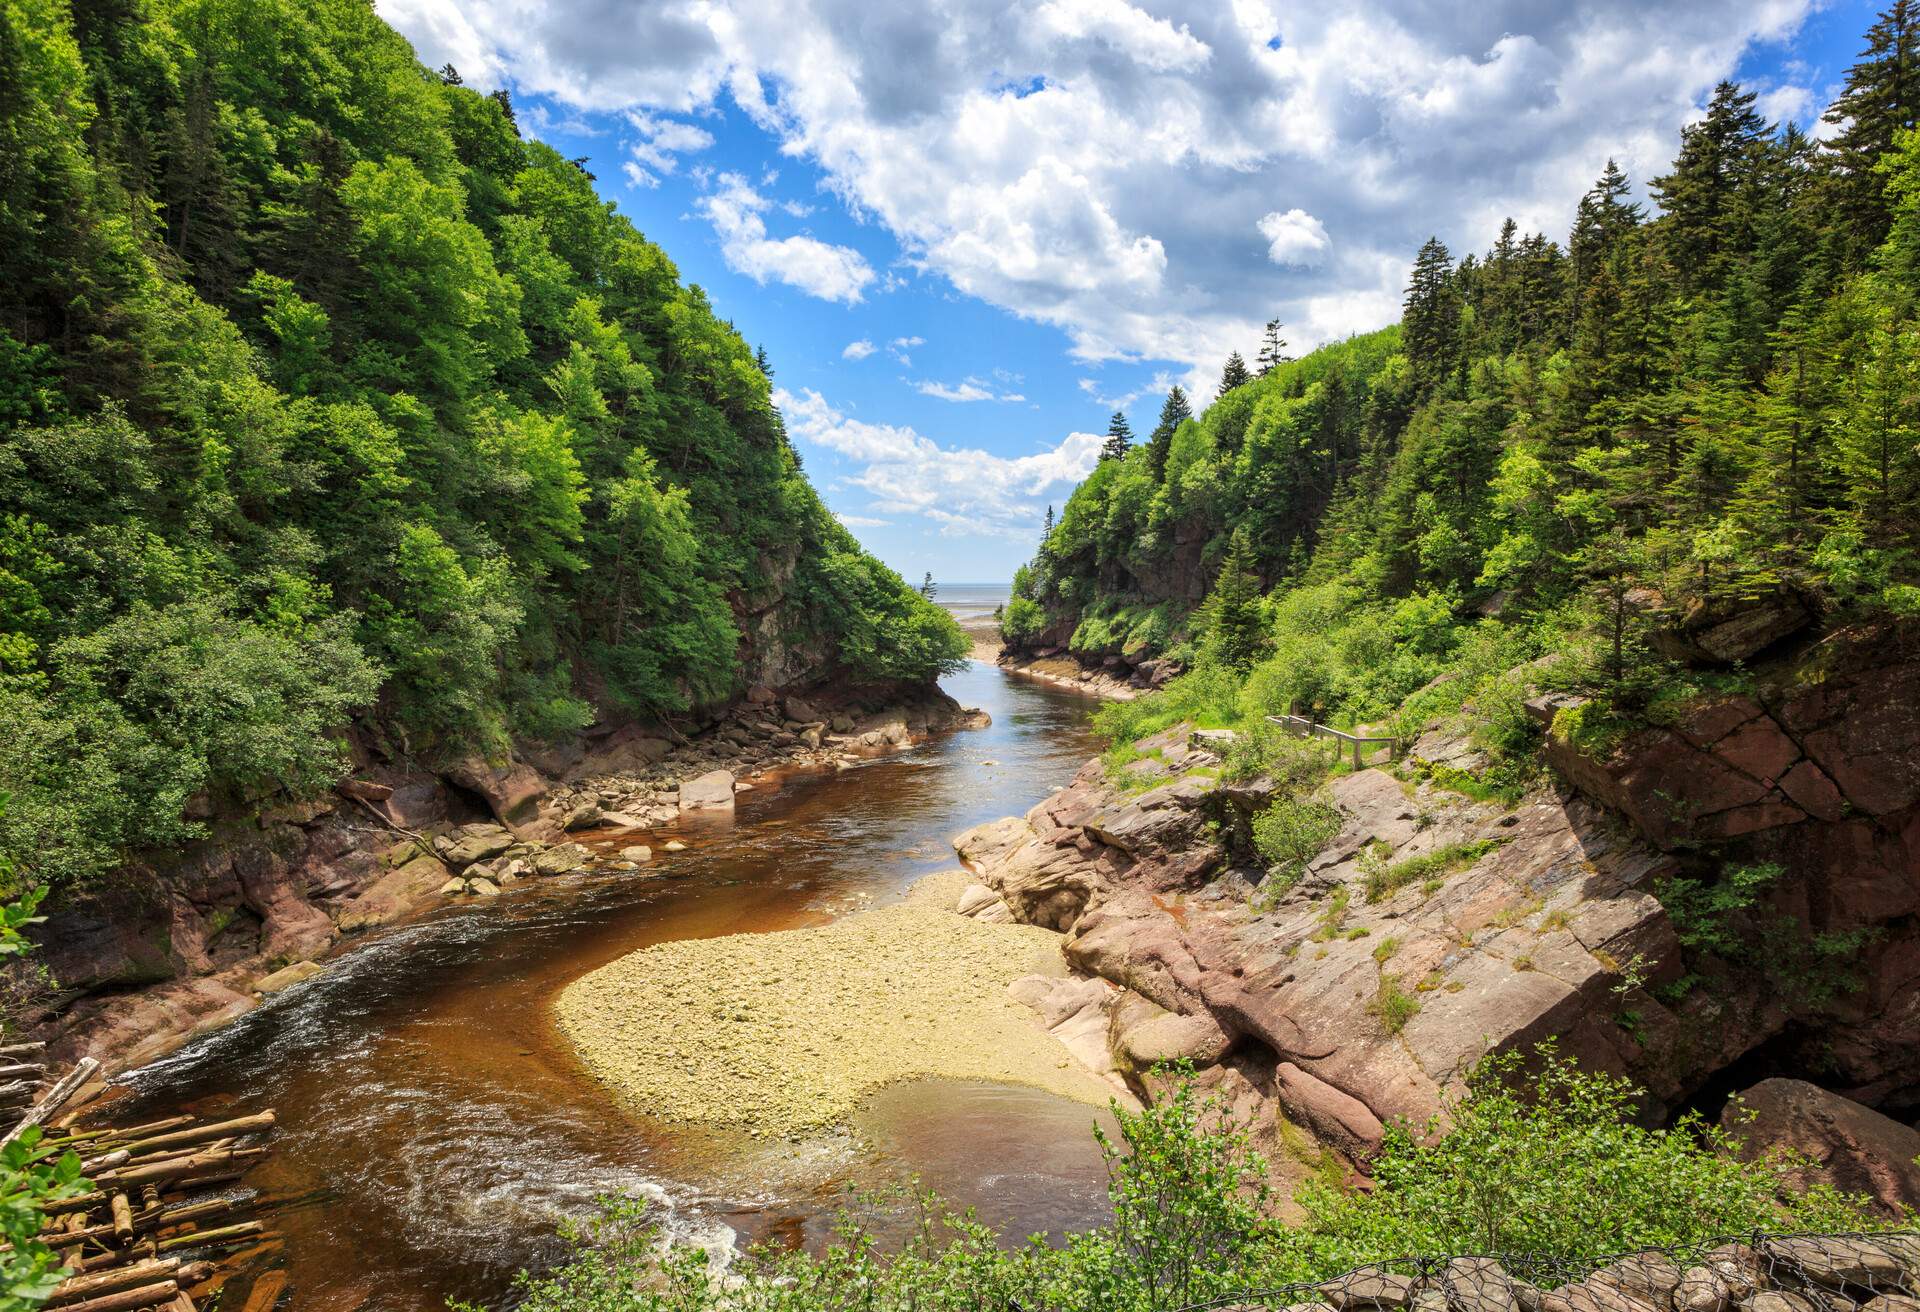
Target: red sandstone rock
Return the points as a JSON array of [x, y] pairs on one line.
[[1854, 1148]]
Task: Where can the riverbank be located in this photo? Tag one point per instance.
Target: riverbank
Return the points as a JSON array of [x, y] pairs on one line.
[[779, 1034], [1063, 671], [267, 902]]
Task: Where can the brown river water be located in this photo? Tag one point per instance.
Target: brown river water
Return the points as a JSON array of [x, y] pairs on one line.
[[435, 1129]]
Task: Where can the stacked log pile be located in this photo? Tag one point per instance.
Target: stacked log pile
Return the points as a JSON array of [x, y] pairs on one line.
[[155, 1215]]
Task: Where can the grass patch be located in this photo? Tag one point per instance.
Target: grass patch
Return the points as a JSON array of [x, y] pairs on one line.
[[1393, 1006], [1384, 880]]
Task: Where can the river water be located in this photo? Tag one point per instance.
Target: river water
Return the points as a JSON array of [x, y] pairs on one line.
[[435, 1129]]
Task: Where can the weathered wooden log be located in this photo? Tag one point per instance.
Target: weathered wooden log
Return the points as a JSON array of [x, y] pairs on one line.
[[22, 1049], [178, 1168], [193, 1213], [181, 1303], [129, 1299], [105, 1161], [122, 1217], [226, 1234], [55, 1098], [116, 1134], [140, 1273], [201, 1133], [28, 1070]]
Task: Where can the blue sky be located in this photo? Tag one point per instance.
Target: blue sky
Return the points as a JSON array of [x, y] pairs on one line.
[[966, 231]]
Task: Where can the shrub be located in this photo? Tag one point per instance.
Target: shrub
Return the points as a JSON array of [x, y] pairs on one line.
[[1291, 832]]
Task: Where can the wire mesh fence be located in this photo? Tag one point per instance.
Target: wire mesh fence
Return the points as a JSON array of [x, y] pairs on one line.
[[1753, 1273]]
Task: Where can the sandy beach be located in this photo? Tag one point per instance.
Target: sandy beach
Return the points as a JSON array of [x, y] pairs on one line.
[[787, 1032]]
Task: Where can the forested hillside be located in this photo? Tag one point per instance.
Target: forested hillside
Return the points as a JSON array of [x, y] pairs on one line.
[[329, 398], [1682, 413]]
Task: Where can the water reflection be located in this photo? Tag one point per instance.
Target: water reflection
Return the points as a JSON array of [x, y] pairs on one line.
[[435, 1128]]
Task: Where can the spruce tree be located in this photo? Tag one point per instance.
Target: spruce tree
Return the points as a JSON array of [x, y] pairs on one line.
[[1706, 198], [1604, 216], [1175, 412], [1273, 349], [1235, 630], [1119, 438], [1430, 317], [1234, 375], [1881, 98]]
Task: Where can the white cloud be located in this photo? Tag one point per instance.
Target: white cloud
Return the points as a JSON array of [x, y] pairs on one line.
[[638, 176], [969, 389], [859, 350], [1157, 184], [832, 273], [861, 521], [663, 140], [1295, 237], [897, 348], [966, 491]]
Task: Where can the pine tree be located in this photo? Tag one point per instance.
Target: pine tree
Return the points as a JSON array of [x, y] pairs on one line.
[[1880, 99], [1234, 375], [1604, 216], [1273, 349], [1119, 438], [927, 586], [1175, 412], [449, 75], [1236, 635], [761, 361], [1430, 317], [1049, 529], [1706, 198]]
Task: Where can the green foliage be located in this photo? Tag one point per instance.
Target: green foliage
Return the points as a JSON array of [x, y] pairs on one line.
[[1384, 880], [1703, 914], [1290, 833], [1555, 1165], [325, 397]]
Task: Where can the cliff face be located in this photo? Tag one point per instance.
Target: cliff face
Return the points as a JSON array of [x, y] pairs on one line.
[[1435, 928]]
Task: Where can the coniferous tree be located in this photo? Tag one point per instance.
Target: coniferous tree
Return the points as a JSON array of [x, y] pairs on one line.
[[1707, 198], [1234, 374], [1881, 99], [1173, 413], [1235, 626], [1119, 438], [1430, 316], [1273, 349], [1604, 216]]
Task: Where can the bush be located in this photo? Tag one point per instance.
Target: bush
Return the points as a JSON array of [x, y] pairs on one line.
[[1290, 833], [1552, 1164]]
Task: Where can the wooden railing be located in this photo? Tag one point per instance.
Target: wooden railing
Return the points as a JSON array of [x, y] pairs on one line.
[[1306, 728]]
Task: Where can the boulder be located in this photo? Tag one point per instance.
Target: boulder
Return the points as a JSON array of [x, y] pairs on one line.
[[484, 887], [512, 791], [711, 791], [287, 976], [1337, 1119], [1854, 1148], [978, 902], [637, 853], [1481, 1284], [1367, 1288], [473, 843], [1836, 1262], [559, 860], [584, 816]]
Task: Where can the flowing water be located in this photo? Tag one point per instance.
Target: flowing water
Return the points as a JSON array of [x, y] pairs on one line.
[[435, 1128]]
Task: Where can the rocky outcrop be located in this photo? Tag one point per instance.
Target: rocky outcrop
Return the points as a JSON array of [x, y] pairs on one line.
[[1853, 1147], [1814, 769], [1369, 991], [1117, 677]]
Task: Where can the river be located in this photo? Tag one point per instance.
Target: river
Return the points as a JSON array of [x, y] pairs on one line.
[[435, 1128]]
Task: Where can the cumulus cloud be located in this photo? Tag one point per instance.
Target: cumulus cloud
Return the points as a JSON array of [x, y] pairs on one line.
[[1157, 178], [1295, 237], [964, 490], [662, 141], [859, 350], [861, 521], [734, 208]]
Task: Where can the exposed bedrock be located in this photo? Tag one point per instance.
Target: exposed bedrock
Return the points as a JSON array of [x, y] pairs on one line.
[[1435, 928]]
